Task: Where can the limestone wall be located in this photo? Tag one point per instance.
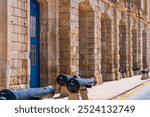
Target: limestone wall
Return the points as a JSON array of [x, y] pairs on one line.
[[91, 38], [49, 43], [18, 48], [3, 44], [69, 36], [19, 43]]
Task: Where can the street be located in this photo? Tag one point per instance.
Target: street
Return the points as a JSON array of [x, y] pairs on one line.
[[143, 94]]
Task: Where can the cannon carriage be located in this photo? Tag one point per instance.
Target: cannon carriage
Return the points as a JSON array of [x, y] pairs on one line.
[[145, 74]]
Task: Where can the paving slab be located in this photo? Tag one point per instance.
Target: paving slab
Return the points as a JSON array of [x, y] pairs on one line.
[[110, 90]]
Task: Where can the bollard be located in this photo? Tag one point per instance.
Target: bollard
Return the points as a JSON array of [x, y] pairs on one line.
[[28, 94]]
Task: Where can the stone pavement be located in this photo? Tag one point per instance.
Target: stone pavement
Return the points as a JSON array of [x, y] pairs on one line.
[[112, 89]]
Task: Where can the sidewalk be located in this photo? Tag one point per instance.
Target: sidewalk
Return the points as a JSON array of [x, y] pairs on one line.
[[109, 90]]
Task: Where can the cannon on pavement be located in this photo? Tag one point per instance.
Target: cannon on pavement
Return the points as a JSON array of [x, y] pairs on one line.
[[62, 80], [27, 94], [79, 86], [145, 74], [136, 70], [123, 72]]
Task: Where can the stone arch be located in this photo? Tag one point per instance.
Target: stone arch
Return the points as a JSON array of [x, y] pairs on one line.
[[123, 45], [107, 48], [86, 40]]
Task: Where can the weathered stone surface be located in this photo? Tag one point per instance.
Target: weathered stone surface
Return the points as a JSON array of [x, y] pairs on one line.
[[91, 38]]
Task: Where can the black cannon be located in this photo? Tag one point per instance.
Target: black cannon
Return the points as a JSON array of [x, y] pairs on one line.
[[62, 79], [145, 71], [122, 70], [27, 94], [74, 85], [145, 74], [135, 68]]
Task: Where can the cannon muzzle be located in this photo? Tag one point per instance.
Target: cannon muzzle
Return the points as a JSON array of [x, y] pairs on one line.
[[122, 70], [28, 94], [74, 85], [145, 71], [135, 68], [62, 79]]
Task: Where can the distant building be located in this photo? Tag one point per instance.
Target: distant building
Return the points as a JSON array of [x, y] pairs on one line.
[[93, 38]]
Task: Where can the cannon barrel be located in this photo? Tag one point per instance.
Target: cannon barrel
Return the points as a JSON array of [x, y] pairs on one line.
[[135, 68], [74, 85], [28, 94], [144, 71], [122, 70], [62, 79]]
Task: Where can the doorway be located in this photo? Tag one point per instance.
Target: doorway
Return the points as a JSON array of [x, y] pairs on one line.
[[34, 44]]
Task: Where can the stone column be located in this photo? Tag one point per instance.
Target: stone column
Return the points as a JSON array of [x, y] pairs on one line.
[[129, 29], [130, 57], [148, 47], [69, 37], [52, 42], [145, 48], [116, 44], [97, 46], [44, 43], [123, 44], [89, 37], [140, 61], [135, 46], [107, 45]]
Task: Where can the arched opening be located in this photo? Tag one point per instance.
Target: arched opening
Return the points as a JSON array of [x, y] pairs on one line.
[[86, 40], [107, 65], [123, 47]]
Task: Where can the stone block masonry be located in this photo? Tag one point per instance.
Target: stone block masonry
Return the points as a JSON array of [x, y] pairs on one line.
[[91, 38], [18, 43]]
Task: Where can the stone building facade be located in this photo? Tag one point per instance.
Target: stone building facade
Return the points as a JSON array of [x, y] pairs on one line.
[[91, 38]]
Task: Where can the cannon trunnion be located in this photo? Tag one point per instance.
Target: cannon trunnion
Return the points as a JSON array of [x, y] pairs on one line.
[[62, 79]]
